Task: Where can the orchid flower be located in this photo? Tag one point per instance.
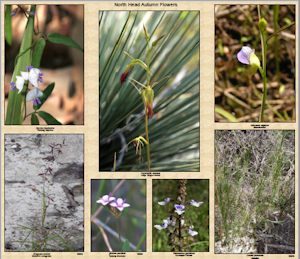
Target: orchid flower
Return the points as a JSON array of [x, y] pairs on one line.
[[18, 84], [196, 204], [105, 199], [35, 75], [192, 233], [119, 204], [164, 202], [34, 95], [179, 209]]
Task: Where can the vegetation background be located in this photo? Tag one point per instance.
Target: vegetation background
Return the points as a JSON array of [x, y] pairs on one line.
[[197, 190], [255, 191], [174, 129], [237, 92]]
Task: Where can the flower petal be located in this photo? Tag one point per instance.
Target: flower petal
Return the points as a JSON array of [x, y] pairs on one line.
[[244, 54], [33, 94], [34, 76], [20, 83]]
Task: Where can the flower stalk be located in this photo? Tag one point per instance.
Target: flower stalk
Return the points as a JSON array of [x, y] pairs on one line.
[[147, 93]]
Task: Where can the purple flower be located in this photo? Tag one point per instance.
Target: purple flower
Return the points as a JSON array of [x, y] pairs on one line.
[[164, 202], [105, 199], [247, 56], [244, 55], [162, 226], [34, 95], [119, 204]]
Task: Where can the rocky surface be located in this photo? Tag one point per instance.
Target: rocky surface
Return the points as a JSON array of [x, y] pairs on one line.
[[50, 168]]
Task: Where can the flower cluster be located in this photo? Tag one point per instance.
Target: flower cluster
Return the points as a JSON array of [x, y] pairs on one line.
[[33, 75], [179, 209], [116, 206]]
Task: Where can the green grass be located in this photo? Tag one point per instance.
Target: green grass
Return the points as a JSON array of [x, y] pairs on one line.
[[255, 188]]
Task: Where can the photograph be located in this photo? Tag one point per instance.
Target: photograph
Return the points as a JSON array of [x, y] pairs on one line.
[[255, 192], [255, 66], [118, 215], [43, 63], [180, 215], [149, 81], [43, 193]]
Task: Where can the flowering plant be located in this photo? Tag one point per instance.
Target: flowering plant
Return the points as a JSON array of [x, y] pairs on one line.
[[147, 93], [26, 70], [180, 227]]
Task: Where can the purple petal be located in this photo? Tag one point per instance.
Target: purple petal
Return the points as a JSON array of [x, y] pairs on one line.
[[244, 54], [34, 102], [13, 88], [41, 79], [27, 68], [12, 83]]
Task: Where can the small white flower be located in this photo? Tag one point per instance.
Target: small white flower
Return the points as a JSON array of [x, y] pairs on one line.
[[162, 226], [164, 202], [196, 204], [119, 204], [34, 95], [192, 233], [35, 75], [105, 199], [179, 209], [18, 84], [182, 222]]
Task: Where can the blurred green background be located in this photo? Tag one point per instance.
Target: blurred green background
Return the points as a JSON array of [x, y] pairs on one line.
[[174, 129], [132, 225], [197, 190]]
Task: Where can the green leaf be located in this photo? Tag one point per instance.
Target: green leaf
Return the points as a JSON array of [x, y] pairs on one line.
[[126, 247], [226, 114], [34, 119], [47, 92], [61, 39], [8, 31], [50, 120], [15, 106], [38, 52]]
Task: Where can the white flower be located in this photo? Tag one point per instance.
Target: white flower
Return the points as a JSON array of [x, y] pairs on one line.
[[196, 204], [119, 204], [34, 95], [18, 84], [34, 76], [162, 226], [192, 233], [164, 202], [179, 209], [105, 199]]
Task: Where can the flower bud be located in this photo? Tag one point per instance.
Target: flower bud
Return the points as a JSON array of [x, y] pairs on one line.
[[147, 96], [155, 42], [262, 24], [146, 34]]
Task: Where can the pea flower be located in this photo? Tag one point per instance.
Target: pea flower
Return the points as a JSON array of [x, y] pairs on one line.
[[35, 75], [179, 209], [119, 204], [246, 56], [192, 233], [18, 84], [164, 202], [34, 95], [105, 199], [196, 204]]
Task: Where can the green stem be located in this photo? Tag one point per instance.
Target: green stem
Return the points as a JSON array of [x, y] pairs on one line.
[[147, 138], [148, 79], [119, 234], [264, 75]]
